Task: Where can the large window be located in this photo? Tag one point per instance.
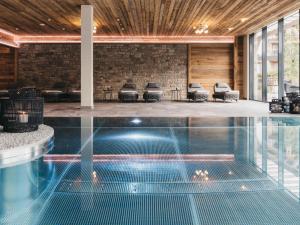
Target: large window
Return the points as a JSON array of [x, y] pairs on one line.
[[257, 82], [272, 61], [291, 53]]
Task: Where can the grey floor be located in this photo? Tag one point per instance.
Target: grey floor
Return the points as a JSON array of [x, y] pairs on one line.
[[162, 109]]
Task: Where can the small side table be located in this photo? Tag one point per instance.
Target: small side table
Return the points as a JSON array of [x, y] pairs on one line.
[[107, 95], [176, 94]]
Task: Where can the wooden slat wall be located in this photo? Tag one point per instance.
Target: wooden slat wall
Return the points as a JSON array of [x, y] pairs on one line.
[[238, 65], [211, 63], [8, 57]]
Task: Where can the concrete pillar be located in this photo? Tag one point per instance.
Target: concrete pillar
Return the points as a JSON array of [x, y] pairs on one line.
[[246, 77], [87, 87]]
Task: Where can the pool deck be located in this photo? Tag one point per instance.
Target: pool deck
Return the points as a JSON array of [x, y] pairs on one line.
[[242, 108]]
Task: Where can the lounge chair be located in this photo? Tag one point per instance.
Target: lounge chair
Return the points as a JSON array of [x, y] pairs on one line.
[[224, 92], [55, 94], [4, 93], [74, 95], [128, 93], [152, 92], [197, 93]]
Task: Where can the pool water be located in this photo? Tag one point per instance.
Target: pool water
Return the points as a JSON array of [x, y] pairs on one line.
[[176, 171]]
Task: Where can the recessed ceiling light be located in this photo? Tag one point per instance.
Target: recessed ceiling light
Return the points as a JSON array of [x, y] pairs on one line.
[[17, 28], [244, 19], [49, 19], [202, 29], [230, 28], [63, 28], [42, 24]]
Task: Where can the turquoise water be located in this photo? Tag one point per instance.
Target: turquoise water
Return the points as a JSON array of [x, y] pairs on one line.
[[159, 171]]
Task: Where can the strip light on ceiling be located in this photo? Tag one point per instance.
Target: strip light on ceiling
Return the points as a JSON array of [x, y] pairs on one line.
[[10, 44], [124, 39], [15, 40]]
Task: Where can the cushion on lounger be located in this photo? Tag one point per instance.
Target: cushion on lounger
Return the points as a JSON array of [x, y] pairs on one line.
[[196, 88], [129, 86], [152, 85], [128, 91], [52, 91], [154, 91], [222, 87], [195, 85], [202, 91]]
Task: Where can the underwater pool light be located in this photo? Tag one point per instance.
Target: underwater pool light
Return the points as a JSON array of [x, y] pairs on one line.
[[137, 136], [243, 187], [136, 121], [94, 174]]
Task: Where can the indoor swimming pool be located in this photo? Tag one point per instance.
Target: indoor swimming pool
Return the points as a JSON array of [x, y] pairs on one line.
[[160, 171]]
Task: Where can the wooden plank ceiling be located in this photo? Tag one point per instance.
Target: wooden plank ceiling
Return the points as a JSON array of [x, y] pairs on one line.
[[141, 17]]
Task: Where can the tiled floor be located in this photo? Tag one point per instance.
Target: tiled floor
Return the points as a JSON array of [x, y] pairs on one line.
[[162, 109]]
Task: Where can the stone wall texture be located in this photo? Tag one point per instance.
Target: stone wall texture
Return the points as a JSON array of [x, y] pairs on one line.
[[43, 65]]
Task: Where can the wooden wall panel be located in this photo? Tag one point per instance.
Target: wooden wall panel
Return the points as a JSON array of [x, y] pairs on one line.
[[239, 65], [7, 66], [211, 63]]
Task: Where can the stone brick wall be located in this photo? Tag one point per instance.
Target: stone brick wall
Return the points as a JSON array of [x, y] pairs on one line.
[[44, 64]]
